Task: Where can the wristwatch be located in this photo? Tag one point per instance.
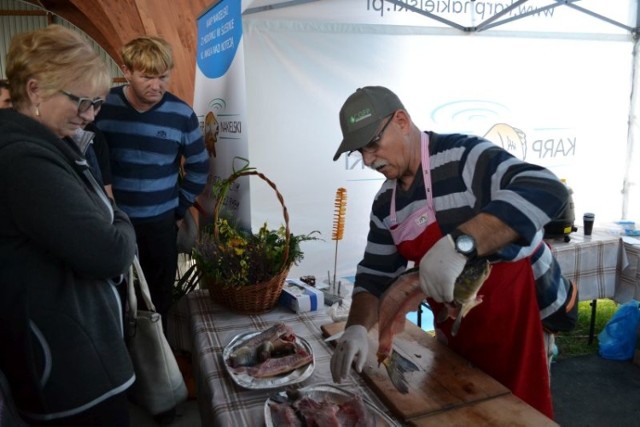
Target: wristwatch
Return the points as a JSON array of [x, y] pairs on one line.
[[465, 244]]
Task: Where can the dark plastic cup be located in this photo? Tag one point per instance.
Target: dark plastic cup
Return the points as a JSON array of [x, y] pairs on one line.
[[587, 220]]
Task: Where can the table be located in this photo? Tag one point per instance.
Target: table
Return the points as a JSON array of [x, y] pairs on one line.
[[224, 403], [594, 262], [629, 284], [221, 401]]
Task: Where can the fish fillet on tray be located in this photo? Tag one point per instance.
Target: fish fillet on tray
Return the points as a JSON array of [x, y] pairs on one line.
[[266, 359], [324, 404]]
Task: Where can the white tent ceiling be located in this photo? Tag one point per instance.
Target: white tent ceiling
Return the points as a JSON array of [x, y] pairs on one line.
[[625, 18], [540, 65]]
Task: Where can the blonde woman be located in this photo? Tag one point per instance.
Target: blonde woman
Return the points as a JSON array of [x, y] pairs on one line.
[[63, 243]]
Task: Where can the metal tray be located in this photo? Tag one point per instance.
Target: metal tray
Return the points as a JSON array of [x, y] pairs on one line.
[[247, 381], [335, 394]]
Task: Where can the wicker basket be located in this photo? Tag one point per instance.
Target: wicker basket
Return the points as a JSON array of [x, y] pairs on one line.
[[263, 296]]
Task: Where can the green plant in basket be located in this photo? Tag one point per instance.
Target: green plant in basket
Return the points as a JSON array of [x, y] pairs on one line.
[[239, 258], [228, 256]]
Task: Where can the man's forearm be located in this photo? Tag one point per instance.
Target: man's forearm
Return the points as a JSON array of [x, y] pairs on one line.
[[364, 310], [489, 232]]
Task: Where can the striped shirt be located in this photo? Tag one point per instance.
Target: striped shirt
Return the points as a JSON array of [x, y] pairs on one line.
[[146, 149], [470, 175]]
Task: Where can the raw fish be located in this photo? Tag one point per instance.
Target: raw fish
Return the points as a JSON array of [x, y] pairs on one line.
[[280, 365], [396, 367], [262, 346], [465, 292], [405, 295]]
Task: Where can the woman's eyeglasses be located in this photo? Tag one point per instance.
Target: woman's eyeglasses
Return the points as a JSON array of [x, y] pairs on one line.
[[85, 103], [373, 145]]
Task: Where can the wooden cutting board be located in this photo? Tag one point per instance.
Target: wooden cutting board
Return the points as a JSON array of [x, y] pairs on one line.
[[505, 410], [445, 380]]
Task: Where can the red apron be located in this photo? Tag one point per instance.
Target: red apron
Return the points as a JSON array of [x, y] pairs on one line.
[[503, 336]]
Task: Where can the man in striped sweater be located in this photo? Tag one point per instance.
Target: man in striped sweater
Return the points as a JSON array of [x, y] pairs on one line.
[[448, 199], [149, 132]]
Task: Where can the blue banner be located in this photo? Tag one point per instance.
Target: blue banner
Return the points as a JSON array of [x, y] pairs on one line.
[[219, 34]]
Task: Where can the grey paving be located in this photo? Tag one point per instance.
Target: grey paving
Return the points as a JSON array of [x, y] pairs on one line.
[[592, 391]]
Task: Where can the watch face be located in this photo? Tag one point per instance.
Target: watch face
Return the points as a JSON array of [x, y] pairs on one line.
[[465, 244]]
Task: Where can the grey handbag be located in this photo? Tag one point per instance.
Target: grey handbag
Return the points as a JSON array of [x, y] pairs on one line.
[[159, 384]]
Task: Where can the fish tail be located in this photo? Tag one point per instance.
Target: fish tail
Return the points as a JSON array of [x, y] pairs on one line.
[[396, 366]]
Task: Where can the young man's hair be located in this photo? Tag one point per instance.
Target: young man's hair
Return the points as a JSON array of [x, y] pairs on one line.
[[149, 55]]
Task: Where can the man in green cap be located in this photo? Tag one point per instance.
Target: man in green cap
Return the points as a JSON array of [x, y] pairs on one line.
[[448, 199]]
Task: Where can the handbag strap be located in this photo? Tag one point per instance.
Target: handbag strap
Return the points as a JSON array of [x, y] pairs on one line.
[[136, 271]]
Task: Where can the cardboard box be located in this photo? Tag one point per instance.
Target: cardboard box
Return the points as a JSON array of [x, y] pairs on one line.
[[300, 297]]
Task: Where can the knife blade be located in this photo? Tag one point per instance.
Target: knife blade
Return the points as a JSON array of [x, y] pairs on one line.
[[334, 337]]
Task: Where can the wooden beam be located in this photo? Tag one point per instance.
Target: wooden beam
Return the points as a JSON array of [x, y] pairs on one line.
[[113, 23]]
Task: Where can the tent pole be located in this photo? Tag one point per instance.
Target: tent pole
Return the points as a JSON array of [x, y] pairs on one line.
[[632, 130]]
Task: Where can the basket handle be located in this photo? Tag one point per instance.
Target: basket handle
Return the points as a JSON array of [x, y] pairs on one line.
[[285, 212]]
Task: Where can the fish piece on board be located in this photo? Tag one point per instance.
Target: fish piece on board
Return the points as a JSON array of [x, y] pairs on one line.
[[396, 366]]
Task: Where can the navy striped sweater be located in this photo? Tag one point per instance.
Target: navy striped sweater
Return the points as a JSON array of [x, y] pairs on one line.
[[146, 149], [472, 175]]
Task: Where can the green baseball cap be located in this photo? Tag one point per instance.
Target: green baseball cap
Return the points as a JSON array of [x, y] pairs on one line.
[[361, 114]]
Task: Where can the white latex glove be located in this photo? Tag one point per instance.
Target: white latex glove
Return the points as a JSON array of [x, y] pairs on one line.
[[439, 269], [352, 345]]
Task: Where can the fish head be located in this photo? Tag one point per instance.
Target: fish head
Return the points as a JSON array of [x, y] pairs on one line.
[[469, 282]]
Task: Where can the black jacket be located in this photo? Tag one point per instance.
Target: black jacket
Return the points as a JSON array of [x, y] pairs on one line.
[[61, 332]]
